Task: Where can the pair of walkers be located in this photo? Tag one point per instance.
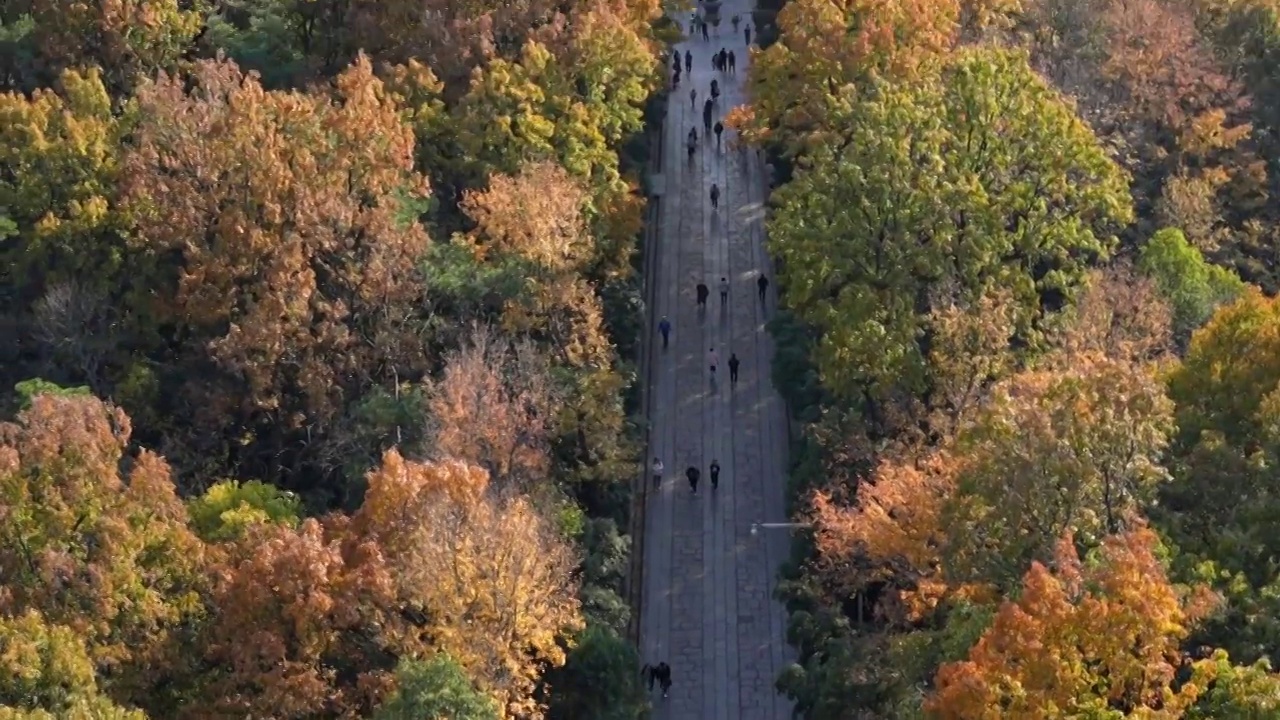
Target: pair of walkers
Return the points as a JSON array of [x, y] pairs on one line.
[[693, 475], [703, 292], [660, 673], [713, 360]]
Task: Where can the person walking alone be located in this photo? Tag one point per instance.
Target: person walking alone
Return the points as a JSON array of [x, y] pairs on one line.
[[705, 35], [693, 474], [733, 369], [664, 327], [703, 292], [719, 128], [733, 63], [715, 196], [707, 107], [715, 474], [713, 360], [692, 143], [762, 284], [657, 468], [746, 34], [724, 291], [693, 98], [663, 674], [688, 61]]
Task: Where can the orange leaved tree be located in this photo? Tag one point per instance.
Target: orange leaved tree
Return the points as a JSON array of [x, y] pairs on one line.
[[1095, 640]]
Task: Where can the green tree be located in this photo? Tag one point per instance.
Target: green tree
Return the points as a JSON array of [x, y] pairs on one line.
[[1222, 507], [970, 178], [228, 509], [601, 679], [435, 689], [1193, 287], [46, 672], [59, 156]]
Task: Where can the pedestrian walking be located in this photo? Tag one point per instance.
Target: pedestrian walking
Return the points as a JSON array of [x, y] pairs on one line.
[[664, 327], [715, 91], [693, 98], [763, 284], [712, 360], [692, 142], [675, 80], [715, 196], [705, 34], [688, 61], [724, 290], [719, 128], [657, 469], [693, 474], [735, 21], [703, 292], [746, 34], [724, 59], [715, 474], [663, 674], [707, 108], [734, 362], [733, 63]]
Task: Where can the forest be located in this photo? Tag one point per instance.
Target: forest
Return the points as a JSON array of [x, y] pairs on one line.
[[1028, 259], [321, 323]]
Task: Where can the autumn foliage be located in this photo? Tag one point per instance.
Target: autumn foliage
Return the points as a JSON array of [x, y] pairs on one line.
[[363, 274], [1082, 640]]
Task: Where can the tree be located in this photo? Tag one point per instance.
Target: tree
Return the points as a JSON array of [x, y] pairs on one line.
[[294, 275], [979, 176], [493, 579], [1227, 382], [1073, 448], [796, 83], [228, 509], [302, 625], [1055, 449], [1192, 286], [60, 151], [130, 39], [1221, 505], [435, 689], [1082, 641], [95, 542], [494, 407], [46, 669], [536, 215], [601, 679]]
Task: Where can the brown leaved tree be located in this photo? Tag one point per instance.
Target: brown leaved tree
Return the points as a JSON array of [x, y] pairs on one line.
[[295, 259]]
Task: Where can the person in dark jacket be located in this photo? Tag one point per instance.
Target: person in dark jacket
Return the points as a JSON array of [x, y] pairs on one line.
[[693, 474], [715, 474], [733, 369]]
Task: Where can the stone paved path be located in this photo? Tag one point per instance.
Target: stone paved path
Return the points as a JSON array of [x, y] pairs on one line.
[[708, 606]]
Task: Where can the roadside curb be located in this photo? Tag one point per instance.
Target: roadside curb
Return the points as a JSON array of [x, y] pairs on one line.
[[639, 488]]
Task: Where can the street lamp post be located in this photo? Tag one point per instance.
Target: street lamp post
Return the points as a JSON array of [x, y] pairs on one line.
[[755, 527]]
